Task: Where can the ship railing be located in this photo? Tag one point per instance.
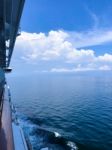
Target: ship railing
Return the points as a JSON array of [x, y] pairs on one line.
[[15, 122]]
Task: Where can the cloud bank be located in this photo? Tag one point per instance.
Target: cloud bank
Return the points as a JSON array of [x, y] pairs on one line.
[[63, 51]]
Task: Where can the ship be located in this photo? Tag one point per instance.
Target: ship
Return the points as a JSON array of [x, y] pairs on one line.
[[11, 134]]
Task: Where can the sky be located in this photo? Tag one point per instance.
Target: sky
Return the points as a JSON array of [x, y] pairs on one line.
[[64, 36]]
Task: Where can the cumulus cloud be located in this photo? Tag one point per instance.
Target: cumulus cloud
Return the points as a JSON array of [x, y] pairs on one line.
[[65, 49]]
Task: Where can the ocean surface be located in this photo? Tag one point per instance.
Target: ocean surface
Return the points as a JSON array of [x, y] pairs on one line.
[[65, 111]]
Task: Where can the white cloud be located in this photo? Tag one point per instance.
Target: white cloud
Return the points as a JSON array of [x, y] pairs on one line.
[[90, 38], [93, 16], [63, 47], [77, 69], [105, 58], [105, 67]]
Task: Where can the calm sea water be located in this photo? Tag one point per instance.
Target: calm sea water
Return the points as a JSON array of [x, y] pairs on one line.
[[78, 107]]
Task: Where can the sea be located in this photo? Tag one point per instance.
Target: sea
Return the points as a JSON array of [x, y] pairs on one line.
[[64, 111]]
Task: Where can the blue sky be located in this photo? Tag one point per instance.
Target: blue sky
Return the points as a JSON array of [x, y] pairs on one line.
[[65, 36], [70, 15]]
